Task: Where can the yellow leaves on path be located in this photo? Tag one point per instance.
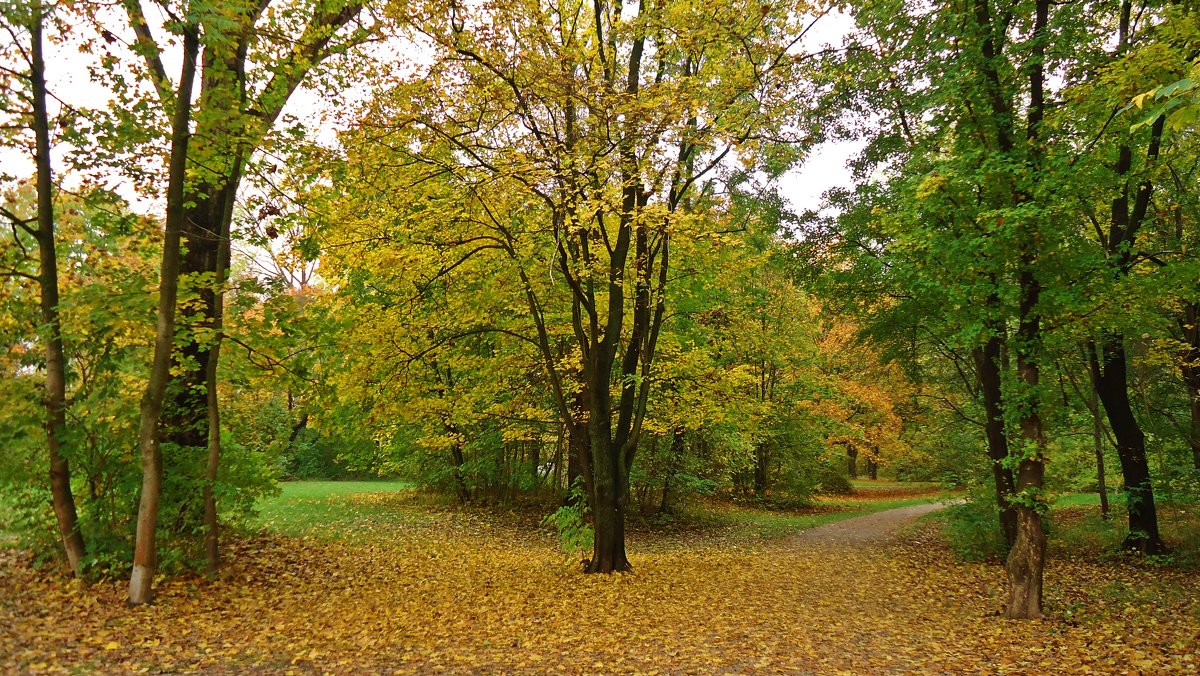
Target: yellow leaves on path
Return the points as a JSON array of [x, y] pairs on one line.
[[464, 594]]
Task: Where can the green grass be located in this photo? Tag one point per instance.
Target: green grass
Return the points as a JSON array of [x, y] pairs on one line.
[[1079, 499], [325, 508], [357, 510], [761, 524], [869, 484], [772, 526]]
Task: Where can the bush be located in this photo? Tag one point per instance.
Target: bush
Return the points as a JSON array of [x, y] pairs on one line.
[[575, 534], [973, 527]]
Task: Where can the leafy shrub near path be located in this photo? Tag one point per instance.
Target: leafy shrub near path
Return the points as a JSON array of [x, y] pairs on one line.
[[973, 527]]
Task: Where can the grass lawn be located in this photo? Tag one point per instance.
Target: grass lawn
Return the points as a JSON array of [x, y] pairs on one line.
[[334, 508]]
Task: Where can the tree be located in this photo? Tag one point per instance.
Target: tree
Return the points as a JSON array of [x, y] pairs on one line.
[[235, 44], [31, 19], [574, 135], [970, 223]]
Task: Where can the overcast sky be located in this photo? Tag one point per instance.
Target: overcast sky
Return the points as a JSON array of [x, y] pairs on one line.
[[68, 77]]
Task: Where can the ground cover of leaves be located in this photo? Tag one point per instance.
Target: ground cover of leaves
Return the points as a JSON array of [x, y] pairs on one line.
[[461, 592]]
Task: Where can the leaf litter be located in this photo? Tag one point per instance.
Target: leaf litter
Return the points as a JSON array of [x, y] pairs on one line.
[[470, 592]]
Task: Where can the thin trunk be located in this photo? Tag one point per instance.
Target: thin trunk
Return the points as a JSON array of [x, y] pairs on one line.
[[212, 549], [56, 364], [579, 451], [678, 439], [1189, 367], [761, 465], [1027, 557], [1109, 359], [987, 369], [192, 406], [460, 481], [1098, 440], [873, 469], [1111, 382], [145, 553], [212, 542], [851, 461]]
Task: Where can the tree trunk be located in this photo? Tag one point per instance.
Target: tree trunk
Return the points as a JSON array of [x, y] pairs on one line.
[[678, 439], [851, 461], [579, 450], [212, 540], [1112, 385], [761, 465], [987, 369], [608, 512], [1027, 558], [145, 552], [56, 367], [609, 496], [1189, 367], [1098, 440], [873, 469], [192, 406], [460, 481]]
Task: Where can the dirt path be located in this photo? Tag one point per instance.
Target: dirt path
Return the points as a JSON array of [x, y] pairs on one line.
[[865, 529]]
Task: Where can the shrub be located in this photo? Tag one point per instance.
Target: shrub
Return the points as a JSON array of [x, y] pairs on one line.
[[973, 527]]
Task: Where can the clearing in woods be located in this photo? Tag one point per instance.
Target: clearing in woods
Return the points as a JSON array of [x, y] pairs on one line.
[[385, 581]]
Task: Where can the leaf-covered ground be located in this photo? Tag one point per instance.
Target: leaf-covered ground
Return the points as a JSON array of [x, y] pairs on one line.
[[438, 591]]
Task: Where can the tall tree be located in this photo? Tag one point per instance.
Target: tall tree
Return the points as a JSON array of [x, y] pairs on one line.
[[1109, 365], [251, 59], [970, 236], [571, 139], [145, 555], [31, 20]]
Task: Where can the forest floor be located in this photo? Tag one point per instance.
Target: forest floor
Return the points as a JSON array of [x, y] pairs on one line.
[[388, 582]]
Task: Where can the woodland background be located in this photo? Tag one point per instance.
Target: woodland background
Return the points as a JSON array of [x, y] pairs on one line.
[[537, 253]]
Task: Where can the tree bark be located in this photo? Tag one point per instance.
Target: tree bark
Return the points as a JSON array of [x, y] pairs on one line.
[[1027, 558], [1189, 367], [873, 469], [56, 369], [1098, 440], [609, 503], [212, 541], [460, 481], [192, 406], [761, 465], [1109, 368], [145, 551], [987, 369], [578, 446], [1112, 385], [678, 447], [851, 461]]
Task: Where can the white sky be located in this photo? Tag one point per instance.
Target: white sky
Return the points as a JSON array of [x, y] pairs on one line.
[[68, 78]]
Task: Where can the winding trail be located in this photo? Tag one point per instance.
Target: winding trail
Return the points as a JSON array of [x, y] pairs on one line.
[[866, 529]]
